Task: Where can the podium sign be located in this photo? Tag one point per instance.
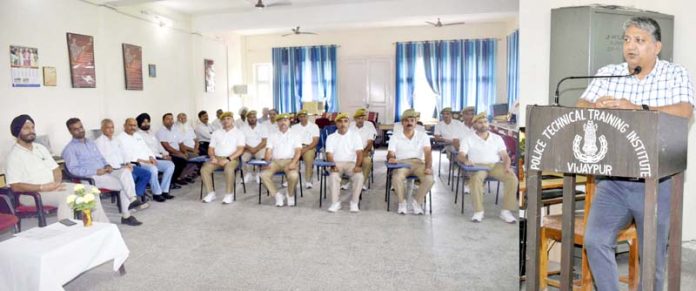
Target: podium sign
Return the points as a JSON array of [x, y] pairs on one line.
[[639, 144]]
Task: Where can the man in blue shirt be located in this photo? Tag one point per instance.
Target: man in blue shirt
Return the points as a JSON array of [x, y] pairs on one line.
[[82, 158]]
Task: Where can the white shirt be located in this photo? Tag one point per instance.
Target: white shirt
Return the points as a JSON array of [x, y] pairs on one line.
[[344, 146], [154, 144], [170, 136], [283, 144], [216, 124], [405, 148], [33, 166], [480, 151], [185, 131], [239, 123], [204, 132], [111, 150], [306, 133], [225, 142], [366, 132], [255, 135], [464, 132], [449, 131], [271, 128], [134, 147]]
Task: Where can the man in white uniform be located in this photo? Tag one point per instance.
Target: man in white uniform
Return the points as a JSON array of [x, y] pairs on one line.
[[256, 137], [486, 149], [411, 147], [309, 137], [367, 133], [226, 145], [345, 149], [447, 130], [283, 154]]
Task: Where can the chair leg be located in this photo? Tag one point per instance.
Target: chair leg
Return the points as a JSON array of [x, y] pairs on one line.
[[543, 260], [497, 192], [241, 176], [300, 184], [633, 266]]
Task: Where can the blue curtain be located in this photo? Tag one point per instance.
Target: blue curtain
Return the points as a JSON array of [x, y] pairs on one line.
[[478, 86], [461, 73], [513, 69], [289, 77], [405, 71]]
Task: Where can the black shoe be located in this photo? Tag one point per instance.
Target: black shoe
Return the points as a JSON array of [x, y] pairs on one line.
[[144, 199], [134, 204], [167, 196], [181, 182], [159, 198], [189, 180], [130, 221], [175, 186]]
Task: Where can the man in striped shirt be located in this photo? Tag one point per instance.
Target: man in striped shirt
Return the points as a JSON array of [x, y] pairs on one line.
[[660, 86]]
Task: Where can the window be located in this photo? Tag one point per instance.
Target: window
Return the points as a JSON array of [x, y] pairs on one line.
[[263, 80], [424, 98]]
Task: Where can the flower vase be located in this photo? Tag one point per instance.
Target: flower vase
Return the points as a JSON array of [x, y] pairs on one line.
[[87, 217]]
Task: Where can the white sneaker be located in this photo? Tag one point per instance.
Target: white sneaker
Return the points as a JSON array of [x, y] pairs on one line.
[[258, 179], [279, 199], [336, 206], [402, 208], [309, 185], [507, 216], [478, 217], [364, 188], [291, 201], [209, 198], [417, 210], [344, 186], [228, 199], [247, 177], [354, 207], [285, 184]]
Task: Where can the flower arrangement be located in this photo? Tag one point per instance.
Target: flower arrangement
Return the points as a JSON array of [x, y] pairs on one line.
[[83, 199]]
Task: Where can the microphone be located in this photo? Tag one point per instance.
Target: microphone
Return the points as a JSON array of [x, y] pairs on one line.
[[636, 71]]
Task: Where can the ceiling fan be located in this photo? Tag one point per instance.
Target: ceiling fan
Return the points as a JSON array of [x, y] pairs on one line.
[[440, 24], [260, 5], [296, 30]]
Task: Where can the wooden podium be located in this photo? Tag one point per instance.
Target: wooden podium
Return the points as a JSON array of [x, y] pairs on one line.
[[646, 145]]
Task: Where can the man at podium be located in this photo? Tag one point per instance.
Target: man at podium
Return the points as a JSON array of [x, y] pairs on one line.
[[654, 84]]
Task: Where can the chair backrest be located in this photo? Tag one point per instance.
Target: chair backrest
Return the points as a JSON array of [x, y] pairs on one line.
[[321, 122], [323, 135], [6, 197], [373, 117]]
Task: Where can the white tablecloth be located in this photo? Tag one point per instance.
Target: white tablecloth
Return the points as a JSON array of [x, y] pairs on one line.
[[47, 258]]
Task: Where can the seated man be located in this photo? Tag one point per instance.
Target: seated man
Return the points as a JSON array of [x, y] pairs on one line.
[[217, 123], [411, 147], [155, 146], [242, 121], [135, 150], [345, 149], [82, 158], [308, 133], [283, 154], [367, 133], [466, 129], [226, 145], [188, 136], [203, 132], [110, 149], [399, 128], [485, 149], [447, 130], [270, 124], [172, 142], [256, 136], [31, 168]]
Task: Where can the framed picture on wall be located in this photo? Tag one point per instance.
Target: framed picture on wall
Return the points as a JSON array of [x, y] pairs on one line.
[[209, 75], [49, 76], [24, 66], [133, 66], [152, 70], [81, 53]]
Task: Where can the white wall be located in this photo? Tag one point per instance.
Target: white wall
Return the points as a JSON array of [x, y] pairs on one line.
[[42, 24], [534, 23], [379, 42]]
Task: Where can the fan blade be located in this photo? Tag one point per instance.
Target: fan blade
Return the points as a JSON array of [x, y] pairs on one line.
[[279, 4], [454, 23], [431, 23], [287, 34], [307, 32]]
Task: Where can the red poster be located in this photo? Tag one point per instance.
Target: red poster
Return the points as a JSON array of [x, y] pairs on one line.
[[133, 66], [81, 53]]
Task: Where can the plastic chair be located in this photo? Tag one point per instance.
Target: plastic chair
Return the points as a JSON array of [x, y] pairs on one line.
[[7, 215]]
